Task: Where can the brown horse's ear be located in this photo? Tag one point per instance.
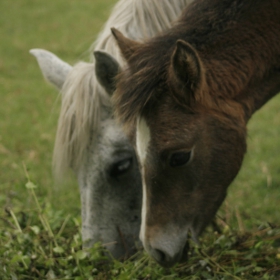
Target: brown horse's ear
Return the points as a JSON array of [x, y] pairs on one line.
[[126, 45], [106, 70], [186, 69]]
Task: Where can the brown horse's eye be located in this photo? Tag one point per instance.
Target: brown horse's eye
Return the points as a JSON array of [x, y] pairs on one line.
[[179, 158]]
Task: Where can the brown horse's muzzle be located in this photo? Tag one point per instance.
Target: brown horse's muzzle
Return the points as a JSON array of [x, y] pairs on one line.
[[167, 246], [167, 259]]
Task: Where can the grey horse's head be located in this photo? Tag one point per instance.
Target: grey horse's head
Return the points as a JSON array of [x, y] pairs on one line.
[[100, 155]]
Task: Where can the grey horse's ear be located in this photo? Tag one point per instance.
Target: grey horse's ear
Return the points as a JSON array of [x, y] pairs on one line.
[[53, 68], [106, 70]]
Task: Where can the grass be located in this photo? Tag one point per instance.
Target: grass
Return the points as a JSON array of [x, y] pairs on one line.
[[46, 244], [40, 223]]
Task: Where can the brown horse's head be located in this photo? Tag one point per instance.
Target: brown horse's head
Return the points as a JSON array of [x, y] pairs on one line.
[[184, 99], [188, 150], [188, 160]]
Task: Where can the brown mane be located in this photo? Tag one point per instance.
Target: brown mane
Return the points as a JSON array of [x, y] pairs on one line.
[[222, 38]]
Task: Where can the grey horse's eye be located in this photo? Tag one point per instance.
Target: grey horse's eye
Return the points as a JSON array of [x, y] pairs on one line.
[[120, 167], [179, 158]]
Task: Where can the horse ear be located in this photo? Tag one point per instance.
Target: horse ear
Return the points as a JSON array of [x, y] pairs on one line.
[[186, 69], [106, 69], [126, 45], [53, 68]]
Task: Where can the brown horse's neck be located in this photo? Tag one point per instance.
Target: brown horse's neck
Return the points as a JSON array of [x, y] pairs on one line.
[[239, 53], [237, 43], [248, 88], [256, 96]]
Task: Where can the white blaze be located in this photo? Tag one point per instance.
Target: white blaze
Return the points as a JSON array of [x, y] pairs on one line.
[[143, 137]]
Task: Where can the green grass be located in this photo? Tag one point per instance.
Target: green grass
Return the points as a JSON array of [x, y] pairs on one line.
[[39, 227]]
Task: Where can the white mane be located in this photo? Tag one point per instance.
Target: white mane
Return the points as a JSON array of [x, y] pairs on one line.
[[82, 95]]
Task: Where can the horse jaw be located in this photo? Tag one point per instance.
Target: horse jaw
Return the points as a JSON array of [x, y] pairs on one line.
[[53, 68]]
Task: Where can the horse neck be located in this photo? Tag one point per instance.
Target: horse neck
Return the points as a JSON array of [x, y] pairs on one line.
[[250, 82], [237, 87], [240, 55], [256, 96]]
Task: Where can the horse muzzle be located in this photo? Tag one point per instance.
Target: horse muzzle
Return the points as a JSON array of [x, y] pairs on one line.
[[168, 248], [165, 259]]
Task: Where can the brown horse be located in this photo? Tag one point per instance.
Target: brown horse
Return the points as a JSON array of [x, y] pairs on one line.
[[185, 99]]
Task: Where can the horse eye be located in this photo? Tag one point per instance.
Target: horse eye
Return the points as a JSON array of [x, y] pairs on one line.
[[120, 167], [179, 158]]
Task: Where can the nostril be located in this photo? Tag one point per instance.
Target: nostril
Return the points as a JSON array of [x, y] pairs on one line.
[[163, 258], [159, 256]]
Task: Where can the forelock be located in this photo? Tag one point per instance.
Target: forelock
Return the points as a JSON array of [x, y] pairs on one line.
[[138, 86]]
